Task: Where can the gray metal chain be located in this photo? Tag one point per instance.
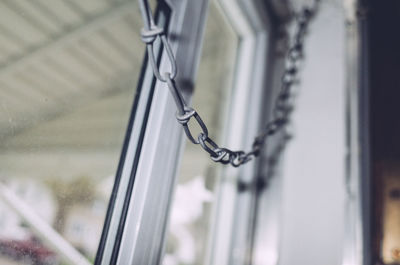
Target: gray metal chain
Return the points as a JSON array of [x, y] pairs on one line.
[[282, 107]]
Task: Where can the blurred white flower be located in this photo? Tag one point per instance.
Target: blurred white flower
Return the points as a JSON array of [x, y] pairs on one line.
[[187, 208]]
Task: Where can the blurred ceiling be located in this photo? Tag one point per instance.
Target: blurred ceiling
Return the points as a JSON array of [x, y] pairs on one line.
[[62, 60]]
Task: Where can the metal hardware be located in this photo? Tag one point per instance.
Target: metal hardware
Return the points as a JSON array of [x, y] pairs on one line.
[[282, 107]]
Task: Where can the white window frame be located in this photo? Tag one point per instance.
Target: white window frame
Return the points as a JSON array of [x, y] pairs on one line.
[[137, 218], [357, 236], [235, 214]]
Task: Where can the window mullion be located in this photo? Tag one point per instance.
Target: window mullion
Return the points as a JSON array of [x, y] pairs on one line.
[[234, 212]]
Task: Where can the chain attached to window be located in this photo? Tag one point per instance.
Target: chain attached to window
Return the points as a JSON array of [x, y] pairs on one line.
[[282, 107]]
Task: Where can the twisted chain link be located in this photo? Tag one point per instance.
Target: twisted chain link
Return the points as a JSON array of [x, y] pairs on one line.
[[282, 108]]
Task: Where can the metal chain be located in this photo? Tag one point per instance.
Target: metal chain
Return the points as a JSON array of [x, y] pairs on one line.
[[282, 108]]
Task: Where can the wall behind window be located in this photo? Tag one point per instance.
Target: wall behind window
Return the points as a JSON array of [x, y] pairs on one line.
[[313, 169]]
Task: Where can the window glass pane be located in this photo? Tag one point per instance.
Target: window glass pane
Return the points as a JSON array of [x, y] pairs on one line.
[[190, 220], [68, 69]]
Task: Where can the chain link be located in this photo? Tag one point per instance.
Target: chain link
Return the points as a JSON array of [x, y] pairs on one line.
[[282, 108]]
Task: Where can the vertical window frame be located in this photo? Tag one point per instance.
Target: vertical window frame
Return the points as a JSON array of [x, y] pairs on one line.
[[152, 176], [116, 214], [236, 208], [357, 235]]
